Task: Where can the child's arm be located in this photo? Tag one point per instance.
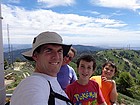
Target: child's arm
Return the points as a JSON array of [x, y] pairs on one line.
[[113, 94]]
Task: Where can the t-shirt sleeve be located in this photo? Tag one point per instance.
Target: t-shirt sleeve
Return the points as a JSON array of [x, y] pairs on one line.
[[69, 92], [74, 76], [31, 92]]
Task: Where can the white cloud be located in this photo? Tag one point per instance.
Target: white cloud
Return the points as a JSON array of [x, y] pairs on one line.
[[95, 12], [75, 29], [126, 4], [54, 3], [110, 23], [92, 12]]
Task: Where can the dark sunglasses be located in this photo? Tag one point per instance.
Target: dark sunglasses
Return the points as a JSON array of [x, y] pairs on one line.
[[70, 58]]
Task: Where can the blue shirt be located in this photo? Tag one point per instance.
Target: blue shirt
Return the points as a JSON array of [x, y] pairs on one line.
[[66, 76]]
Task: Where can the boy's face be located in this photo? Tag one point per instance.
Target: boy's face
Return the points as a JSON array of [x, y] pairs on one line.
[[108, 71], [85, 70]]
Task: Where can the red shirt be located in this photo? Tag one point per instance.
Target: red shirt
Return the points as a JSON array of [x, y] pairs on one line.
[[89, 94]]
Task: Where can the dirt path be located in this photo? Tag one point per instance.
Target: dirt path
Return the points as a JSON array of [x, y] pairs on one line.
[[7, 82]]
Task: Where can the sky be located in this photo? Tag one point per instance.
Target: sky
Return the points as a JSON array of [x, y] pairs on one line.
[[104, 23]]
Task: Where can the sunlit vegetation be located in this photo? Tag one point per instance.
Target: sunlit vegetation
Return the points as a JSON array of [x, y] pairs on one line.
[[127, 78]]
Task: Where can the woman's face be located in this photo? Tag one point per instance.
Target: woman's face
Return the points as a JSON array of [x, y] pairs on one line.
[[67, 59]]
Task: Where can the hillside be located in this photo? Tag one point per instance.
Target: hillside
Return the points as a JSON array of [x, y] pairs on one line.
[[15, 47], [15, 54], [81, 48], [18, 49], [127, 79], [126, 60], [128, 76]]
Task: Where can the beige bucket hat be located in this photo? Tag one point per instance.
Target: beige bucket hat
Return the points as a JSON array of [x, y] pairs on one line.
[[46, 38]]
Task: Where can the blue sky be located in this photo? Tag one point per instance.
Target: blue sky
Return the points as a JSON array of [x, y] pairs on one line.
[[105, 23]]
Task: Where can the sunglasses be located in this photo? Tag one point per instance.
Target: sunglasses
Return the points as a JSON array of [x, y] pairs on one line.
[[70, 58]]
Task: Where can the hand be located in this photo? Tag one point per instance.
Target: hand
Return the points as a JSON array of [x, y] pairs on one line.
[[108, 80], [105, 79]]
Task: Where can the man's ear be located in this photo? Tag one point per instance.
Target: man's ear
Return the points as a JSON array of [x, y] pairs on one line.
[[35, 56]]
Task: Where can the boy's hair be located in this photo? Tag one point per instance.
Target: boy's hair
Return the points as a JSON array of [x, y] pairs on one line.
[[111, 64], [87, 58]]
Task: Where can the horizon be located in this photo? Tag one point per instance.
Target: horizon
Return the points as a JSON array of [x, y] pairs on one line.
[[90, 23], [18, 46]]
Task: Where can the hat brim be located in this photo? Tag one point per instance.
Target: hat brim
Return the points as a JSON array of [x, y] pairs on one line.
[[66, 49], [28, 54]]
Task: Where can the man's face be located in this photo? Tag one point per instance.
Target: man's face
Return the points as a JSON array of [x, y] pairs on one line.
[[49, 60], [108, 71]]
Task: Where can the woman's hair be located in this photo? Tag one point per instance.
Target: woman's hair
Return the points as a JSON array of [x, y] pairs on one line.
[[73, 50]]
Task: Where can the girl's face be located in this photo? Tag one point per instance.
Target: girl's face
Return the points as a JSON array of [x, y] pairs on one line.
[[108, 71], [85, 70]]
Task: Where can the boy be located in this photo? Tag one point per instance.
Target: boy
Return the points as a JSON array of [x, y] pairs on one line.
[[84, 91], [107, 85]]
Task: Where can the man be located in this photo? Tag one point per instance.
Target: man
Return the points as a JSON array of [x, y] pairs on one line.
[[67, 74], [47, 52]]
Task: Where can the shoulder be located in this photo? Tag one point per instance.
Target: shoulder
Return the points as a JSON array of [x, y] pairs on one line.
[[35, 79], [35, 82], [95, 77], [72, 85], [71, 68], [94, 84], [30, 89], [71, 88]]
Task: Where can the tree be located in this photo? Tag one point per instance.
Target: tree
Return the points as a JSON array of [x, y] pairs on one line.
[[5, 64], [135, 91], [124, 83]]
